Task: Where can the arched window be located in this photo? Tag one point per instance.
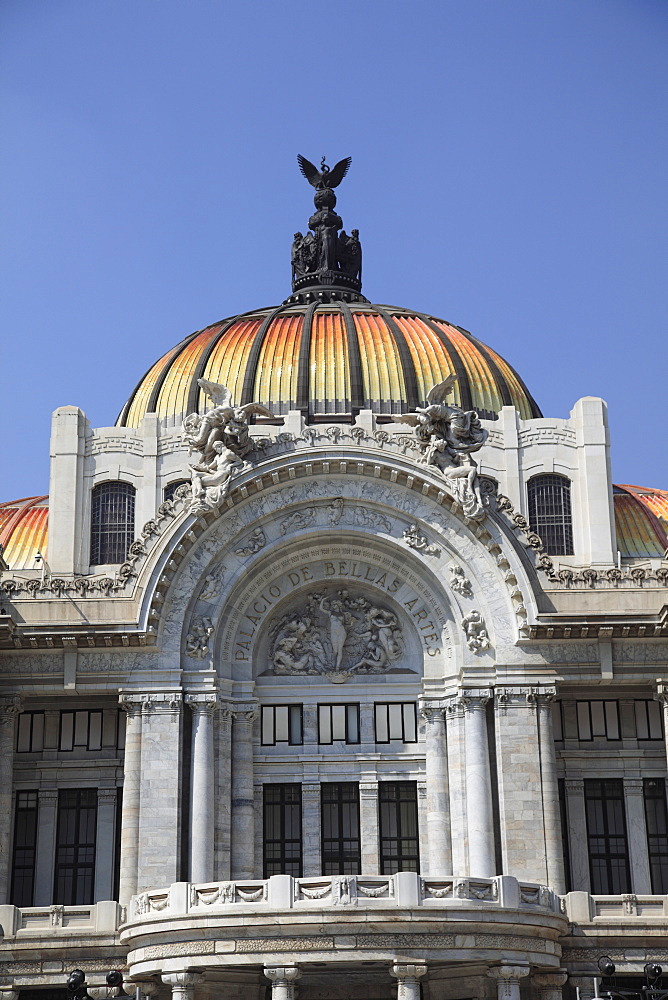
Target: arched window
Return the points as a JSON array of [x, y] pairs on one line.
[[112, 523], [171, 488], [550, 513]]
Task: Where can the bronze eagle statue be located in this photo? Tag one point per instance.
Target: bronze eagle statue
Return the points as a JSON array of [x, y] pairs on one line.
[[324, 178]]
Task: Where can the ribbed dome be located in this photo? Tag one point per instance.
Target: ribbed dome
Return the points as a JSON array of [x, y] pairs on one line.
[[329, 360]]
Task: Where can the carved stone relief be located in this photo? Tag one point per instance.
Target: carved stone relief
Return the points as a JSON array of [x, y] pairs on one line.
[[415, 539], [256, 541], [477, 638], [335, 632], [459, 582], [197, 640]]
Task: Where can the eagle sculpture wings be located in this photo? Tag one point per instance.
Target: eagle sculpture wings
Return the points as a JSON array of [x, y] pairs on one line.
[[324, 178]]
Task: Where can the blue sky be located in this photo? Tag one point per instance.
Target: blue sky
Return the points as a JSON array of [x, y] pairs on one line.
[[509, 175]]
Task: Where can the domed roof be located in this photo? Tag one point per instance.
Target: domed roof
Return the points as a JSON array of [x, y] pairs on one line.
[[329, 359]]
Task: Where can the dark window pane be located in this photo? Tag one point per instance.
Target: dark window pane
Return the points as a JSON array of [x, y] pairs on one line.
[[25, 843], [399, 849], [282, 819], [657, 833], [112, 522], [550, 517], [340, 828], [75, 846], [606, 829]]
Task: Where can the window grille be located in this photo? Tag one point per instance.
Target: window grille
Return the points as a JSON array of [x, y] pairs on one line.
[[171, 488], [398, 827], [112, 522], [75, 846], [396, 722], [606, 833], [338, 722], [649, 724], [657, 833], [282, 830], [91, 730], [598, 720], [25, 846], [282, 724], [340, 817], [550, 513]]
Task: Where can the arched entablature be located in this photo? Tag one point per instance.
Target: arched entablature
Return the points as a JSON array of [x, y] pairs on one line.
[[474, 567]]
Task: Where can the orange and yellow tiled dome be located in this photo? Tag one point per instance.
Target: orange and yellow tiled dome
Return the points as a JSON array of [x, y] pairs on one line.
[[329, 360]]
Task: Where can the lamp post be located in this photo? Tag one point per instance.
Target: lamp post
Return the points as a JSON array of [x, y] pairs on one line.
[[78, 987], [650, 991]]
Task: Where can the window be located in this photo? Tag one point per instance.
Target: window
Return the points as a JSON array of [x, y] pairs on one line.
[[171, 488], [598, 720], [91, 730], [649, 724], [112, 522], [398, 827], [282, 830], [657, 833], [340, 810], [30, 732], [282, 724], [606, 833], [75, 846], [396, 722], [338, 722], [25, 845], [550, 513]]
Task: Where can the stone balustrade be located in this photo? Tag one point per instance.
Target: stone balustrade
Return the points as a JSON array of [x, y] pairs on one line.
[[582, 908], [405, 889], [102, 918]]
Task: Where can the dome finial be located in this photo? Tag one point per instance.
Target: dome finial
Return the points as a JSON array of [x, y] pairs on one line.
[[325, 257]]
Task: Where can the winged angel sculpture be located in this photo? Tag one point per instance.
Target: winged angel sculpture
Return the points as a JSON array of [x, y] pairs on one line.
[[222, 438], [448, 435]]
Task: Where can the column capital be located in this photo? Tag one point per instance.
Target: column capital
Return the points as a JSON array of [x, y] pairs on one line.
[[661, 692], [282, 973], [162, 702], [633, 786], [46, 794], [401, 971], [185, 980], [203, 702], [106, 794], [432, 712], [508, 972], [244, 714], [474, 699], [10, 707], [574, 784]]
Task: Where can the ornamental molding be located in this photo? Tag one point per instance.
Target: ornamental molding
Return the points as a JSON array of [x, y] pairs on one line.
[[410, 495]]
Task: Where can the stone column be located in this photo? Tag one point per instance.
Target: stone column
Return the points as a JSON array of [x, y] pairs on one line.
[[47, 819], [201, 787], [577, 835], [454, 717], [636, 831], [439, 860], [160, 801], [131, 792], [548, 985], [478, 785], [222, 812], [243, 831], [508, 980], [9, 711], [283, 979], [408, 980], [311, 863], [105, 842], [183, 984], [554, 844], [369, 834]]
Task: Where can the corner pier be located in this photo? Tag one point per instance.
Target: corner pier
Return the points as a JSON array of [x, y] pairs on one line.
[[440, 921]]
